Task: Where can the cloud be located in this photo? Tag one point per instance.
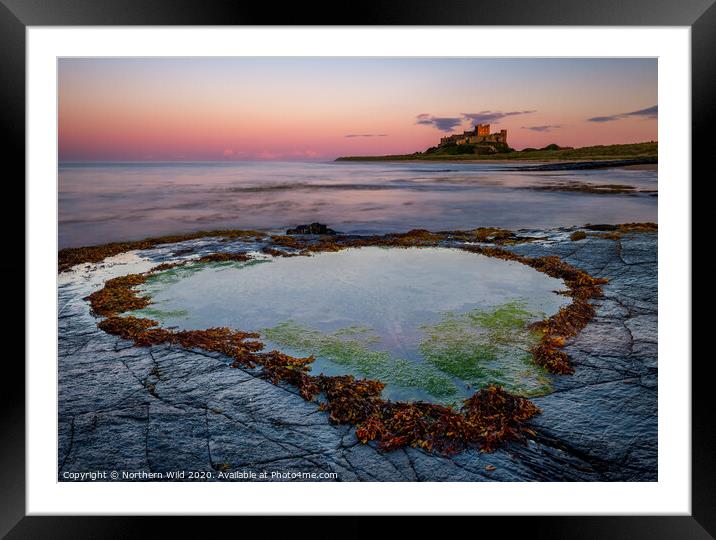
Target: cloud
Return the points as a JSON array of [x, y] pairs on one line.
[[541, 128], [228, 152], [351, 135], [484, 117], [449, 123], [649, 112], [442, 123]]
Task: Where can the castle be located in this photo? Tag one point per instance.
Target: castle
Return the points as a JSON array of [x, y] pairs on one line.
[[481, 134]]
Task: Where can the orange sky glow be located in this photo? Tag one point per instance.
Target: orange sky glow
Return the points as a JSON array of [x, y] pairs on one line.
[[224, 109]]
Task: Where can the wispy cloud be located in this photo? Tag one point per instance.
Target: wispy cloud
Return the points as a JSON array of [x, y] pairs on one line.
[[449, 123], [440, 122], [351, 135], [649, 112], [491, 116], [542, 128]]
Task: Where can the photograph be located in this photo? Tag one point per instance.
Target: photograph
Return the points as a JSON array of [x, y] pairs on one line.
[[357, 269]]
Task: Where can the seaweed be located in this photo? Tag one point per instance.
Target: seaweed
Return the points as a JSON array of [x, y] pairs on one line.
[[146, 332], [638, 227], [497, 236], [288, 241], [498, 416], [350, 347], [168, 266], [486, 420], [118, 295], [223, 256], [277, 252], [489, 418], [151, 313], [416, 237], [577, 235], [616, 232], [487, 348], [566, 323], [69, 257]]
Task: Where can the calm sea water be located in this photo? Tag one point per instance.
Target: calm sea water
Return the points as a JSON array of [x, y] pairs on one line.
[[112, 202]]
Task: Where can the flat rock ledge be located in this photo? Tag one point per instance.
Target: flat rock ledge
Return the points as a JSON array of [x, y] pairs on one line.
[[162, 409]]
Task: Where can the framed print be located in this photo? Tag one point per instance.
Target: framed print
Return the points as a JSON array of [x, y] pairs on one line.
[[411, 263]]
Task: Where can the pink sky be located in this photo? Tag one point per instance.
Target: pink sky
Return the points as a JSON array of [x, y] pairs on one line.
[[321, 108]]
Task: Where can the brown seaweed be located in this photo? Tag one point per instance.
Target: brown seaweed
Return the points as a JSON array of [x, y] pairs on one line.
[[489, 418], [616, 232], [118, 295], [69, 257], [223, 256]]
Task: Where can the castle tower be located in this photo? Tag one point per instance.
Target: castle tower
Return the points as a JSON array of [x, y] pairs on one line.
[[482, 129]]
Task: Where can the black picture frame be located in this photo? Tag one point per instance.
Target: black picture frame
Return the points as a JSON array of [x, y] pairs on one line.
[[16, 15]]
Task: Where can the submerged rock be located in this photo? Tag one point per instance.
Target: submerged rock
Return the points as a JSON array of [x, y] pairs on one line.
[[313, 228]]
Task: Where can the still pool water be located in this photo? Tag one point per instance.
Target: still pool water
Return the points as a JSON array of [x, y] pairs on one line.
[[432, 323]]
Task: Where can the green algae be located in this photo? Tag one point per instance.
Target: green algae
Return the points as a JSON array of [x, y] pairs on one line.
[[350, 347], [490, 416], [160, 314], [445, 359], [174, 275], [159, 280], [488, 347], [461, 353]]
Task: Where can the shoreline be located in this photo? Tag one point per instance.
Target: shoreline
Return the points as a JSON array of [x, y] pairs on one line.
[[644, 152], [645, 163], [69, 257]]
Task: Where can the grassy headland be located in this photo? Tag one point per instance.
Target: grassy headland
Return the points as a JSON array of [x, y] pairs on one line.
[[551, 152]]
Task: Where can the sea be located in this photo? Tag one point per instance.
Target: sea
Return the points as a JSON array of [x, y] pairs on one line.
[[108, 202]]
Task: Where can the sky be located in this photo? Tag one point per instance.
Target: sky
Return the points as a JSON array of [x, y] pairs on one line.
[[268, 108]]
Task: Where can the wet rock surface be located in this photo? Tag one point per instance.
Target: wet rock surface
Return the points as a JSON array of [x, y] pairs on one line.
[[312, 228], [163, 408]]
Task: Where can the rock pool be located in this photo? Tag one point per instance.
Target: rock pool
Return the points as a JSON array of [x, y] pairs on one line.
[[434, 324]]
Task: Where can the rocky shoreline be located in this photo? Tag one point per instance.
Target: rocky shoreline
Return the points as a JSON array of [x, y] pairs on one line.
[[163, 408]]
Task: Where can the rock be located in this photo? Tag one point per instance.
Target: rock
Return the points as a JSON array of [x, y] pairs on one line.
[[313, 228], [163, 408], [601, 227]]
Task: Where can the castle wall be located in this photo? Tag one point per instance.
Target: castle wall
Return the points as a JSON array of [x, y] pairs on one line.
[[481, 134]]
